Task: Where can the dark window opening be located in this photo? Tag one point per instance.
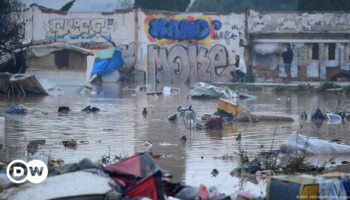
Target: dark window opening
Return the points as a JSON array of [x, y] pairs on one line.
[[331, 51], [315, 51]]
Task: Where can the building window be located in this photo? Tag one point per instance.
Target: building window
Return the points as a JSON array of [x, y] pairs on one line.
[[331, 51], [315, 51]]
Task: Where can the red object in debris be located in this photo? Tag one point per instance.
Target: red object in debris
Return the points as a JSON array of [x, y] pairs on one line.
[[140, 175], [214, 122]]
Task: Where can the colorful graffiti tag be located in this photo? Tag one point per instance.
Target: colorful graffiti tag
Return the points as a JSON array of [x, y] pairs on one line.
[[181, 64], [167, 30], [79, 28]]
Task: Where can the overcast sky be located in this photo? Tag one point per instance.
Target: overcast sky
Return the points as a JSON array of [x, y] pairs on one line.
[[84, 5]]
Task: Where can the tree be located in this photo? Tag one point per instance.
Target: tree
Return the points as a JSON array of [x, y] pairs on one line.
[[167, 5], [11, 32], [11, 36], [324, 5], [67, 6]]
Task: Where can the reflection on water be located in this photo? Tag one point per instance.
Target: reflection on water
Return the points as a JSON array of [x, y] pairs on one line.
[[121, 129]]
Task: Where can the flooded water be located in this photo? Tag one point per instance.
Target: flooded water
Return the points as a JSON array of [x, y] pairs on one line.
[[120, 129]]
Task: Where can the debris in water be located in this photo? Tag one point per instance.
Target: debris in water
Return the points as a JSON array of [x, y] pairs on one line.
[[183, 139], [70, 144], [215, 172], [63, 109]]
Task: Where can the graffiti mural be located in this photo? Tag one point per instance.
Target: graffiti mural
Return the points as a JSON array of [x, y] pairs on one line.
[[228, 35], [166, 30], [129, 54], [80, 28], [183, 64]]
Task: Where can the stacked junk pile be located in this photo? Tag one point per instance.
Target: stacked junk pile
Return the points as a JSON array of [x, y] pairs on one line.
[[136, 177]]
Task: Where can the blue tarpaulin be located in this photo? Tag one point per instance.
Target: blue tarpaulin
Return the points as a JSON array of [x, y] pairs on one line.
[[108, 65]]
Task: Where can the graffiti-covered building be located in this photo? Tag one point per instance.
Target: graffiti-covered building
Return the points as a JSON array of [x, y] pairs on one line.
[[172, 48]]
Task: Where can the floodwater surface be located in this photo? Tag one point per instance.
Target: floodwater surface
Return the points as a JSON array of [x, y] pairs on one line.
[[120, 129]]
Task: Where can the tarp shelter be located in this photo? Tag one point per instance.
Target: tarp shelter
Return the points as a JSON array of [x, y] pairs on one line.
[[318, 115], [107, 61], [139, 175]]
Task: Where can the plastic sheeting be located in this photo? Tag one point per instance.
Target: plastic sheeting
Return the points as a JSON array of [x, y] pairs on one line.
[[73, 184], [331, 189], [313, 145], [44, 50], [107, 65], [206, 90]]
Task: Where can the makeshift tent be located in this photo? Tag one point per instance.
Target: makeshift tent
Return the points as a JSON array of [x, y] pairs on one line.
[[107, 61], [318, 115], [139, 175]]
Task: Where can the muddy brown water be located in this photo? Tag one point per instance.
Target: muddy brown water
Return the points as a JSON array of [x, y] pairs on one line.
[[120, 129]]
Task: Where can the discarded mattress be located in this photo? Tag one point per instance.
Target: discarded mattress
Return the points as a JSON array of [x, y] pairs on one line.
[[313, 145], [75, 184]]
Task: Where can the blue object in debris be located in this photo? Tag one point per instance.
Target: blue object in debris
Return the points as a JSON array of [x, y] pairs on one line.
[[17, 109], [108, 65]]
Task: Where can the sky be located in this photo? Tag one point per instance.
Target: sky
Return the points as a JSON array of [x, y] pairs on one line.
[[84, 5]]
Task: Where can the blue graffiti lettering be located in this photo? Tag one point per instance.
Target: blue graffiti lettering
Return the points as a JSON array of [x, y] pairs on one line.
[[179, 30]]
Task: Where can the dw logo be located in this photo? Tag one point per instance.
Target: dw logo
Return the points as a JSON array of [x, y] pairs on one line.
[[35, 171]]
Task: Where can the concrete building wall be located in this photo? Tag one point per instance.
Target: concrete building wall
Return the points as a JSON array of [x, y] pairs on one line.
[[330, 32], [189, 47], [168, 47]]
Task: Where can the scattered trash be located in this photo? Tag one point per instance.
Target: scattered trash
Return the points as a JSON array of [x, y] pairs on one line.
[[215, 172], [334, 118], [172, 117], [89, 109], [298, 142], [327, 186], [244, 196], [32, 146], [63, 109], [214, 122], [148, 144], [169, 90], [249, 168], [55, 162], [183, 139], [17, 109], [155, 156], [154, 93], [70, 144]]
